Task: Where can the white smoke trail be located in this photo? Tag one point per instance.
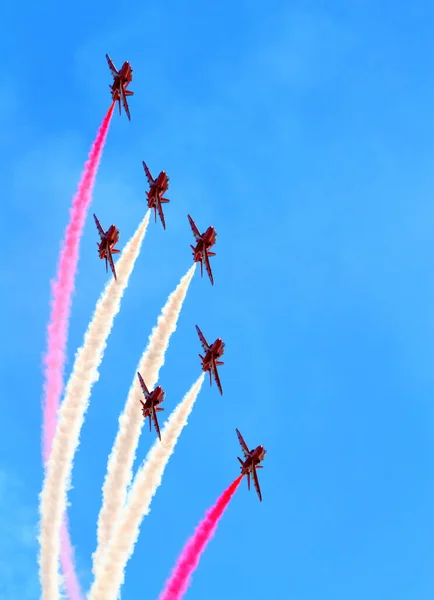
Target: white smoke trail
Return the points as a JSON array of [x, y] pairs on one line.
[[111, 572], [121, 460], [53, 498]]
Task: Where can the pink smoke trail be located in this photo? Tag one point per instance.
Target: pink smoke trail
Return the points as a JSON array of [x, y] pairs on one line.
[[187, 563], [62, 289], [72, 585]]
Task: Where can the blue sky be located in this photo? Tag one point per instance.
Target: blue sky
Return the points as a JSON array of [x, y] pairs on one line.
[[304, 133]]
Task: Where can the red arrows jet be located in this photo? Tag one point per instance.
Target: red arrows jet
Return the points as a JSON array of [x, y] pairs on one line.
[[204, 242], [210, 361], [106, 247], [251, 461], [150, 407], [156, 192], [122, 79]]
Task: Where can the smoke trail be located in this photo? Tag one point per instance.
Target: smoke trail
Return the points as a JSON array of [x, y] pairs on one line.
[[72, 411], [121, 459], [70, 579], [62, 289], [187, 563], [111, 573]]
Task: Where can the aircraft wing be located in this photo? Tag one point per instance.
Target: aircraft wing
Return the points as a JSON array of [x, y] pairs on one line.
[[155, 419], [143, 386], [195, 230], [98, 226], [110, 259], [160, 210], [148, 173], [243, 444], [216, 376], [125, 103], [203, 341], [208, 266], [256, 482], [111, 65]]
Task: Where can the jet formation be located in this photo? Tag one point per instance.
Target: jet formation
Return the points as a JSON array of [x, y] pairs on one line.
[[106, 247], [121, 80], [150, 406], [210, 359], [155, 195], [201, 252], [251, 461]]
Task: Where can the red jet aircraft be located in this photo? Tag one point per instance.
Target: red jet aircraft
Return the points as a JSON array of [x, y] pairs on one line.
[[156, 192], [106, 247], [204, 242], [122, 79], [150, 407], [251, 461], [210, 361]]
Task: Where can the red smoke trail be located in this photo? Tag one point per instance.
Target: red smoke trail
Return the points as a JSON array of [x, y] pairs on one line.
[[62, 289], [187, 563]]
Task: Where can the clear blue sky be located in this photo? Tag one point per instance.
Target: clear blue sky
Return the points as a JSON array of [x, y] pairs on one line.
[[304, 132]]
